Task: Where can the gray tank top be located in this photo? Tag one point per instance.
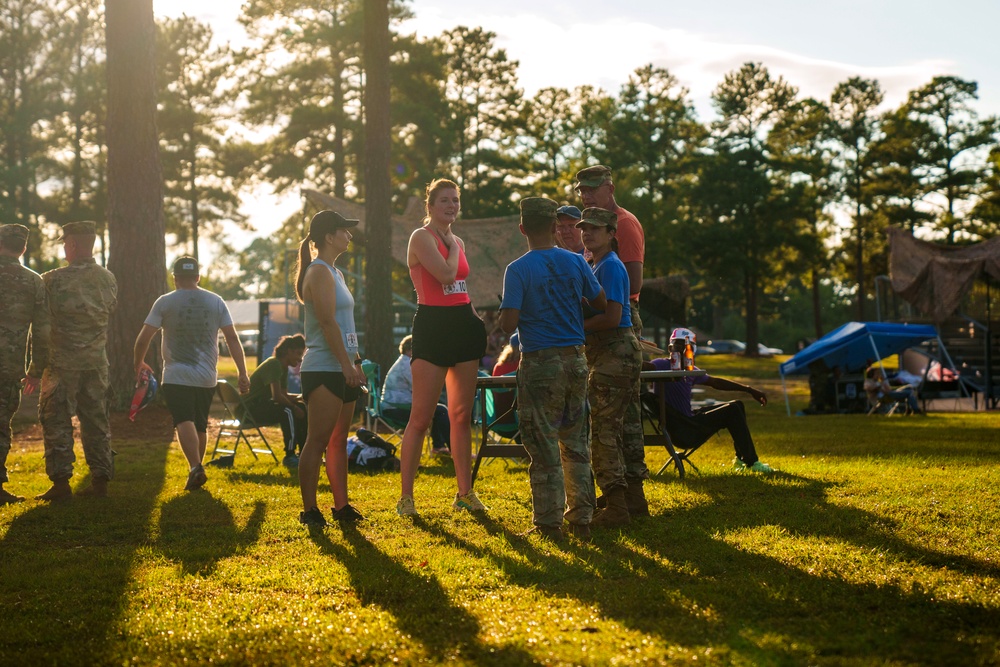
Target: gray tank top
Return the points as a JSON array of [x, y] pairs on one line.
[[319, 357]]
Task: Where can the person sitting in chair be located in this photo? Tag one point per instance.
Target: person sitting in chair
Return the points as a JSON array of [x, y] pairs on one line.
[[879, 389], [269, 401], [397, 396], [690, 428]]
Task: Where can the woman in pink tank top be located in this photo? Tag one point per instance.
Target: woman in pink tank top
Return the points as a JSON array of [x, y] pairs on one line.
[[449, 339]]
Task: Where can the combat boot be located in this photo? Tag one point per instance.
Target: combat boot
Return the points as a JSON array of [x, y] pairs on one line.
[[60, 491], [635, 498], [98, 488], [580, 531], [615, 514]]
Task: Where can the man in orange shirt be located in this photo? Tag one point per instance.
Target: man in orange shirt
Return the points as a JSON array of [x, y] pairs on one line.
[[596, 188]]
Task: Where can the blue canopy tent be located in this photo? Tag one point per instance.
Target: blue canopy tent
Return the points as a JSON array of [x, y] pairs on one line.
[[851, 346]]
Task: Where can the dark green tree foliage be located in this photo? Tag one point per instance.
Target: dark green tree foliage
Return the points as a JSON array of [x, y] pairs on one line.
[[897, 186], [743, 225], [856, 127], [418, 112], [193, 118], [987, 209], [549, 120], [802, 173], [76, 172], [378, 190], [481, 89], [654, 139], [302, 76], [952, 135], [29, 89]]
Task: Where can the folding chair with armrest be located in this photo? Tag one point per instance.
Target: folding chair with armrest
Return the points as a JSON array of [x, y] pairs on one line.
[[238, 423], [652, 409]]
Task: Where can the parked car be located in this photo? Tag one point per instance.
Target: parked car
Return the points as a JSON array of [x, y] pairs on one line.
[[725, 346], [765, 351]]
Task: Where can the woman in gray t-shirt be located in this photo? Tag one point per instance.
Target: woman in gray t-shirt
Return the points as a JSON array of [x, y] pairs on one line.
[[331, 375]]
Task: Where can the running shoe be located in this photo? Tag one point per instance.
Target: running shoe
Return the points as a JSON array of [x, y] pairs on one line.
[[196, 479], [469, 502], [405, 506], [312, 517], [347, 514]]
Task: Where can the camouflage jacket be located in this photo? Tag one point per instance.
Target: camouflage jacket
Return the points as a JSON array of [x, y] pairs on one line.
[[81, 299], [24, 308]]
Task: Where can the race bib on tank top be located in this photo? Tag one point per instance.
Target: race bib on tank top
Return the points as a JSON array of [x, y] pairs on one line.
[[457, 287]]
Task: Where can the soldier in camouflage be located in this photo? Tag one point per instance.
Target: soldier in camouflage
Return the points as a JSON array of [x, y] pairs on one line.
[[542, 292], [81, 298], [615, 361], [24, 309]]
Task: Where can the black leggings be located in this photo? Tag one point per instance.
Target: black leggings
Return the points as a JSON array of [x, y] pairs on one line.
[[292, 428]]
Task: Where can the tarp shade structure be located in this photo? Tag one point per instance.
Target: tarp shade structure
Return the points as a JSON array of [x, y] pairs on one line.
[[933, 277], [851, 346]]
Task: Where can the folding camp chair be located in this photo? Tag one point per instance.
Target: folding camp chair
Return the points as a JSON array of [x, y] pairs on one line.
[[375, 417], [653, 415], [501, 428], [239, 424]]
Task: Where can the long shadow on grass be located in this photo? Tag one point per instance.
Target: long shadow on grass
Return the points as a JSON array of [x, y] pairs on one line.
[[67, 566], [419, 604], [198, 530], [809, 604], [679, 579]]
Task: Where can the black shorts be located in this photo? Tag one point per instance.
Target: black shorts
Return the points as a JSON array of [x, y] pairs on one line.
[[189, 404], [332, 380], [448, 335]]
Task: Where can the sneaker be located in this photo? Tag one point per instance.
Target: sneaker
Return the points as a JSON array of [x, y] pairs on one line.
[[405, 506], [443, 451], [470, 502], [756, 466], [312, 517], [196, 479], [347, 514], [290, 461]]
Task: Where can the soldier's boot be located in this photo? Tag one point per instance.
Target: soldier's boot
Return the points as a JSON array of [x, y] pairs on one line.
[[635, 498], [580, 531], [98, 488], [8, 498], [60, 491], [615, 514]]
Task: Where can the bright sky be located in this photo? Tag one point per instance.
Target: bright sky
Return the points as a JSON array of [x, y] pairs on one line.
[[902, 43]]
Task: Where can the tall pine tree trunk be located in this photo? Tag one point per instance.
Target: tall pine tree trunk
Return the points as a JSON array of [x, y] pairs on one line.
[[378, 223], [135, 185]]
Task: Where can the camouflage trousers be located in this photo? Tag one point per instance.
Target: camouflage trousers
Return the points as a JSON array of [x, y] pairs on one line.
[[615, 363], [84, 393], [10, 399], [633, 439], [552, 407]]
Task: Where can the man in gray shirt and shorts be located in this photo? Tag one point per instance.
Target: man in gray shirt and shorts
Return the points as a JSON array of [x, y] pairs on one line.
[[191, 319]]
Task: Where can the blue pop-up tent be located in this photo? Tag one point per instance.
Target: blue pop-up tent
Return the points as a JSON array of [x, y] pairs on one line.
[[853, 345]]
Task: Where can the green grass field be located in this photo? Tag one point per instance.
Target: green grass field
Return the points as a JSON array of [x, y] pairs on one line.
[[876, 543]]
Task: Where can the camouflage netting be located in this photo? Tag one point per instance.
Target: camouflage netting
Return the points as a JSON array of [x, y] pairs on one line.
[[934, 278]]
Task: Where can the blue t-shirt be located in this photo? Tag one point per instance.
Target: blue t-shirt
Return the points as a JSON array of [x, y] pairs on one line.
[[611, 273], [546, 287]]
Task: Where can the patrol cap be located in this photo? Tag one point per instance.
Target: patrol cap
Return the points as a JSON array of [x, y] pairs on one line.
[[569, 211], [186, 266], [539, 209], [79, 228], [599, 217], [593, 177], [15, 233], [327, 222]]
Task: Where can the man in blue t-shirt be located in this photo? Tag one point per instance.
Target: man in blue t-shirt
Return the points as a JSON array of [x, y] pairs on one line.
[[542, 295]]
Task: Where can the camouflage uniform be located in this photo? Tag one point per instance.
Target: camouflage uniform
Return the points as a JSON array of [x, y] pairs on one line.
[[633, 439], [615, 361], [81, 297], [23, 309], [552, 400]]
